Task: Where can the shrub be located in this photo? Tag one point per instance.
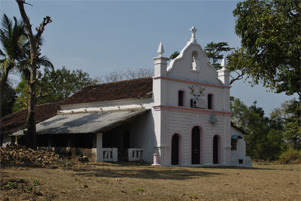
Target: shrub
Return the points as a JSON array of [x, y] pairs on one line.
[[11, 185], [291, 156]]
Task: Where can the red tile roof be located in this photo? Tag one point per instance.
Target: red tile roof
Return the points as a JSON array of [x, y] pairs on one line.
[[16, 121], [137, 88]]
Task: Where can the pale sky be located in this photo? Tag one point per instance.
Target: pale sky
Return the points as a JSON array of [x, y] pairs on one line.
[[103, 36]]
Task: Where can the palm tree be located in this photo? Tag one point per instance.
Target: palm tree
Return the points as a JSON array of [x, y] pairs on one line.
[[15, 54], [13, 39]]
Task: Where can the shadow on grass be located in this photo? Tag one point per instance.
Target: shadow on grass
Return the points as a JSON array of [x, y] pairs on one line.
[[18, 165], [143, 172]]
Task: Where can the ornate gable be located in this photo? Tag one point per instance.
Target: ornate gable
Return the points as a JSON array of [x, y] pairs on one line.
[[193, 64]]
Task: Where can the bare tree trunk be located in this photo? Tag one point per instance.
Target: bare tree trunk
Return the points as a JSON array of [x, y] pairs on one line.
[[31, 138], [31, 109]]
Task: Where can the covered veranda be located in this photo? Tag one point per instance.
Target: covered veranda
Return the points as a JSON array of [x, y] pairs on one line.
[[107, 134]]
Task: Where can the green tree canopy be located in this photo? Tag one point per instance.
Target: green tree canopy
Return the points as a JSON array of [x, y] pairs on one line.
[[9, 99], [62, 83], [54, 86], [214, 52], [270, 37], [292, 129], [264, 135], [13, 40], [174, 55]]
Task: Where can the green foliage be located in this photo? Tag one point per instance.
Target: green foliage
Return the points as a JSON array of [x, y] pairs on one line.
[[22, 92], [140, 189], [291, 156], [214, 50], [54, 86], [270, 36], [9, 99], [29, 189], [36, 182], [193, 197], [11, 185], [13, 39], [174, 55], [292, 127], [66, 83], [265, 135]]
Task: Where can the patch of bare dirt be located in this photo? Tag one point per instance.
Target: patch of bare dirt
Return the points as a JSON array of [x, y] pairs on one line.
[[132, 181]]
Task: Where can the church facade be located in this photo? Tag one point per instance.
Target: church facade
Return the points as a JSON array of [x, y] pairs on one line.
[[181, 116]]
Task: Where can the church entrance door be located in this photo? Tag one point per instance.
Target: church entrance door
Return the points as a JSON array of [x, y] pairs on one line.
[[215, 149], [195, 145], [175, 150]]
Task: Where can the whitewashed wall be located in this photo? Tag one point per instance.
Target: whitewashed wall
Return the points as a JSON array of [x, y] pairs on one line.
[[240, 152], [182, 124], [191, 72], [142, 135]]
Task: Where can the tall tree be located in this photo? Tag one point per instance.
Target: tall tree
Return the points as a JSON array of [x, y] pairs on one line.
[[292, 128], [54, 86], [265, 135], [270, 37], [214, 52], [34, 42], [13, 39]]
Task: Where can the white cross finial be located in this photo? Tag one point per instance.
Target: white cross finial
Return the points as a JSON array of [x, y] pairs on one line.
[[160, 50], [193, 30]]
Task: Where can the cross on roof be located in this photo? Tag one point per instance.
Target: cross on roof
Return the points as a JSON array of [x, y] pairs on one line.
[[193, 30]]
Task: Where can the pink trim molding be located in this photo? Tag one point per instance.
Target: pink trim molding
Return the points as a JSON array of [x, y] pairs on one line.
[[185, 109], [191, 82]]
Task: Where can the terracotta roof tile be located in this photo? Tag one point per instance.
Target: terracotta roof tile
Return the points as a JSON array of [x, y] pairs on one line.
[[16, 121], [137, 88]]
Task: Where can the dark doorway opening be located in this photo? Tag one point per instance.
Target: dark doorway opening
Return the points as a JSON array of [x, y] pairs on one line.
[[195, 145], [215, 149], [175, 150]]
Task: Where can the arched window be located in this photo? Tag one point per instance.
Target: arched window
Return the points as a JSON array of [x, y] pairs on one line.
[[181, 98]]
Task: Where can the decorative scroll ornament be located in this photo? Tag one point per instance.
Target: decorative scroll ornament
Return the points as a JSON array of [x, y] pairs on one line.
[[196, 90]]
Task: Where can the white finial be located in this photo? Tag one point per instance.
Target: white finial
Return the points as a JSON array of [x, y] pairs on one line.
[[224, 63], [193, 30], [160, 50]]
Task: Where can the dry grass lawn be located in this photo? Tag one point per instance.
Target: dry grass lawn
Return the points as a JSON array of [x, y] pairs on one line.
[[105, 181]]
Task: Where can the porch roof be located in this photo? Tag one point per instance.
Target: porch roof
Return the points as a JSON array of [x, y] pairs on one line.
[[82, 123]]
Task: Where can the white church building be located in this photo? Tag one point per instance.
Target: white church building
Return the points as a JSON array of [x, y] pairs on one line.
[[181, 116]]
